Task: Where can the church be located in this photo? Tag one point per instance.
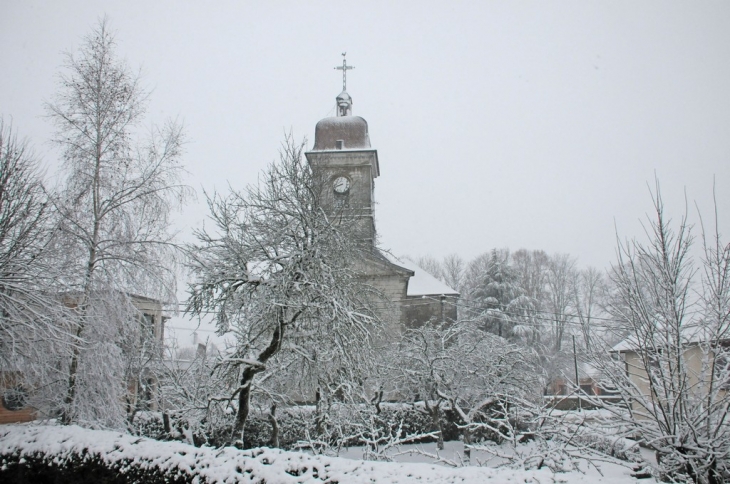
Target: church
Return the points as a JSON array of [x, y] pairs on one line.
[[343, 157]]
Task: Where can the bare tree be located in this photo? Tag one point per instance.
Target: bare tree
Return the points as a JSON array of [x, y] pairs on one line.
[[191, 395], [560, 279], [589, 293], [474, 274], [453, 271], [531, 270], [29, 315], [115, 203], [430, 264], [473, 371], [672, 374], [282, 275], [450, 270]]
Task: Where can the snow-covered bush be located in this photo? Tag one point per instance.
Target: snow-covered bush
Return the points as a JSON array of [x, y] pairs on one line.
[[149, 424]]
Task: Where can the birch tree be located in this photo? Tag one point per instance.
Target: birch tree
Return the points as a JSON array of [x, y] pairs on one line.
[[281, 275], [114, 207]]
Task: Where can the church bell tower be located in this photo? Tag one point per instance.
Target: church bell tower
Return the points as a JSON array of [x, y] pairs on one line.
[[346, 165]]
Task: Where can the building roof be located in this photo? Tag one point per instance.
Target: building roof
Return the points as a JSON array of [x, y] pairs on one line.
[[691, 334], [421, 283], [351, 130]]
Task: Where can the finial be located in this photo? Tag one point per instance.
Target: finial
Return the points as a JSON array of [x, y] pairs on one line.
[[344, 68]]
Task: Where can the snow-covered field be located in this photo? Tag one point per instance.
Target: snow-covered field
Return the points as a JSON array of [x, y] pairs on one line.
[[272, 466]]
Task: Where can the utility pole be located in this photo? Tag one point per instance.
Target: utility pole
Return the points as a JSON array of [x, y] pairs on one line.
[[577, 381]]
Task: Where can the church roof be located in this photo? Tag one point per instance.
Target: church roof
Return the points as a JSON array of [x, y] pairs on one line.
[[351, 130], [422, 283]]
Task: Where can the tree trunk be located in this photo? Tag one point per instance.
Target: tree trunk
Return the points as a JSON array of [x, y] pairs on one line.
[[244, 396], [71, 390], [467, 444], [274, 441], [72, 371], [436, 424], [90, 267], [377, 400], [244, 399], [319, 413]]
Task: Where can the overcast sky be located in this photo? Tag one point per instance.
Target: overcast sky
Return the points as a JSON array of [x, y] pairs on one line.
[[531, 125]]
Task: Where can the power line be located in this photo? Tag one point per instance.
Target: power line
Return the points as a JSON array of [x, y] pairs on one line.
[[198, 330], [465, 304]]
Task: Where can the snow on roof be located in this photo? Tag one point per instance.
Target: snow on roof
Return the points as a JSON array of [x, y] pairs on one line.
[[586, 370], [691, 334], [629, 344], [422, 283]]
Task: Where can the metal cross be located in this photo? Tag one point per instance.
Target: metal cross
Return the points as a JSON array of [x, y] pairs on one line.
[[344, 68]]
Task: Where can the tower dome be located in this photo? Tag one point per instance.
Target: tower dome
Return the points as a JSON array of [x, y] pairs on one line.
[[342, 132]]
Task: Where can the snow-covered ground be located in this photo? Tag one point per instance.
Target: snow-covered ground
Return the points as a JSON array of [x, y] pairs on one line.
[[453, 455], [273, 466]]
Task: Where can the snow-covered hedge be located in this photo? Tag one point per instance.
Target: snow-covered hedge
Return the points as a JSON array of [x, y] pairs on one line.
[[36, 453]]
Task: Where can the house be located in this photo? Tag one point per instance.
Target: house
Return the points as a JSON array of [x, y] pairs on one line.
[[704, 366], [142, 390]]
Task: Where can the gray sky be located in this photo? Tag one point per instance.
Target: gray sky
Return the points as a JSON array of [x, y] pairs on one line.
[[497, 124]]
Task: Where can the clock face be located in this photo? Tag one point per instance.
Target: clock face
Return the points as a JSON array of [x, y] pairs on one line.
[[341, 184]]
